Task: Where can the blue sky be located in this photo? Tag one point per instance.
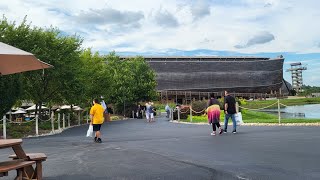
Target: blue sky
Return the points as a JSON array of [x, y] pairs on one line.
[[265, 28]]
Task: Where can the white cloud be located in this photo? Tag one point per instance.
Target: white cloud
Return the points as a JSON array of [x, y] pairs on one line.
[[109, 16], [261, 38], [200, 9], [166, 19], [180, 24]]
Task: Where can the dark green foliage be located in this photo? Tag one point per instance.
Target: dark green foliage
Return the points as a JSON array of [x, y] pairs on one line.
[[10, 92], [308, 90], [199, 107], [78, 75], [132, 81], [51, 85]]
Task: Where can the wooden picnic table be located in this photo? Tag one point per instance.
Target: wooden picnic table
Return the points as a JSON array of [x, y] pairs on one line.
[[15, 144], [6, 143]]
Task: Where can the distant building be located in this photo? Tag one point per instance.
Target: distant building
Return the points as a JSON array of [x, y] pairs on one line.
[[192, 77]]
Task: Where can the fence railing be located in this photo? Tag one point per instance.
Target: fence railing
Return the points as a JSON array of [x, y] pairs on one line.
[[190, 110], [5, 121]]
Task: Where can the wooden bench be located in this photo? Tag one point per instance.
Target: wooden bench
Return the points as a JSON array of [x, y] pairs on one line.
[[38, 158], [18, 165]]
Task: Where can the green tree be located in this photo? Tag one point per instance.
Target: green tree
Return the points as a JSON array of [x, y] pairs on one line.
[[10, 85], [132, 81], [55, 84], [94, 75], [10, 92]]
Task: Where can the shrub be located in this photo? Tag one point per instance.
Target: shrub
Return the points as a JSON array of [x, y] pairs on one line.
[[114, 118], [199, 107]]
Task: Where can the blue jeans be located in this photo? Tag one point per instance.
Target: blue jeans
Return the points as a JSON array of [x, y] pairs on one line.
[[226, 119]]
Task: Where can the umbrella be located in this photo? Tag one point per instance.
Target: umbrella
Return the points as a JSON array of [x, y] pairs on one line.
[[78, 108], [32, 108], [14, 60], [65, 107], [20, 111]]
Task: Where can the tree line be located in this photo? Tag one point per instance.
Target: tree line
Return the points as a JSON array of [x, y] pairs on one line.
[[78, 76]]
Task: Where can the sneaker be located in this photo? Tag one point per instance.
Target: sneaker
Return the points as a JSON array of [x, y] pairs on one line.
[[99, 140], [234, 131], [224, 131], [221, 131], [95, 139], [213, 134]]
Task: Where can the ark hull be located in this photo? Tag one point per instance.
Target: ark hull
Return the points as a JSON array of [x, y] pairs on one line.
[[214, 74]]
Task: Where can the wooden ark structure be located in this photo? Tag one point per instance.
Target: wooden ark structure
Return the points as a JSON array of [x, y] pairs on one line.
[[185, 78]]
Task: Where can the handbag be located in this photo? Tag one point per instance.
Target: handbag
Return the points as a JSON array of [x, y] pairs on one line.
[[90, 131], [238, 118]]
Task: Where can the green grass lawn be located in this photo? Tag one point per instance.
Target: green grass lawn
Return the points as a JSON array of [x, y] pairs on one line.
[[253, 117]]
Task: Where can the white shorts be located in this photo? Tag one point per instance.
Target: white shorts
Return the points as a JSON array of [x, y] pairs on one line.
[[149, 115]]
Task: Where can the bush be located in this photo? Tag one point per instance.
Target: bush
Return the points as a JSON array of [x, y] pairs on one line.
[[19, 130], [199, 107], [114, 118]]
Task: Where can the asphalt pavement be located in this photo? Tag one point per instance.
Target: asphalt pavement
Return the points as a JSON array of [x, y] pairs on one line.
[[137, 150]]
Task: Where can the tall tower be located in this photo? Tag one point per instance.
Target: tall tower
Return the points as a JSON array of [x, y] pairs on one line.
[[296, 75]]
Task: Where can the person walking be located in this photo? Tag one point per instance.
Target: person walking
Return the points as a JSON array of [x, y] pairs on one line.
[[213, 112], [230, 111], [148, 111], [167, 108], [96, 117], [153, 111], [139, 112]]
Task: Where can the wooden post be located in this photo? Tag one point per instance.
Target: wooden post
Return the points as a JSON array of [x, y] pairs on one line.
[[52, 121], [185, 97], [279, 117], [4, 119], [63, 121], [171, 113], [10, 116], [178, 114], [79, 117], [68, 119], [37, 125], [59, 126], [190, 113], [176, 98], [166, 96]]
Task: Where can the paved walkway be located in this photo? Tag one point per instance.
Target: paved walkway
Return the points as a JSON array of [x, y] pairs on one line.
[[135, 149]]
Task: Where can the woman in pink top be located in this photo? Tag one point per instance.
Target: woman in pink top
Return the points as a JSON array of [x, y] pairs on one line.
[[213, 112]]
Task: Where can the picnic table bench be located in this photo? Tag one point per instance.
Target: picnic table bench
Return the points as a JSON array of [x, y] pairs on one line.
[[38, 158], [21, 162], [19, 165]]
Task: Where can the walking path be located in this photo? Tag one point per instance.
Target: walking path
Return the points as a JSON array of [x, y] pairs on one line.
[[134, 149]]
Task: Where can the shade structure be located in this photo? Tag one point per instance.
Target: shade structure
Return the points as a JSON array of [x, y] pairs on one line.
[[14, 60], [32, 108], [20, 111], [65, 107], [77, 108]]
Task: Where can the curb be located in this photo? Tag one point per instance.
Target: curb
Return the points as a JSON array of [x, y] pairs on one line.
[[57, 131], [256, 124]]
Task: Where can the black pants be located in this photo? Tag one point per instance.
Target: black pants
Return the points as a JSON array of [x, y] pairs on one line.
[[214, 126]]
